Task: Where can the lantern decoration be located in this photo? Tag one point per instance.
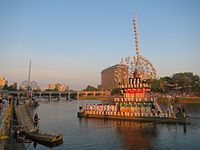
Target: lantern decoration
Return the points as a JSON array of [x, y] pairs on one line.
[[144, 67]]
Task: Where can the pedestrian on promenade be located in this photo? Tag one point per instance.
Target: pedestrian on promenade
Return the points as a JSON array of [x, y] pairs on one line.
[[36, 120], [17, 102], [1, 106], [5, 102], [9, 100]]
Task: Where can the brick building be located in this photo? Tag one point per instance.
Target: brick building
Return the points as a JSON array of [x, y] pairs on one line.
[[113, 76]]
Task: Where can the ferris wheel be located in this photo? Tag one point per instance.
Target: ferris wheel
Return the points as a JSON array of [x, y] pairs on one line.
[[28, 85], [139, 64]]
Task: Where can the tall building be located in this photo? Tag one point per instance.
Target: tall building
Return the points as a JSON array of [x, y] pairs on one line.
[[3, 82], [113, 76]]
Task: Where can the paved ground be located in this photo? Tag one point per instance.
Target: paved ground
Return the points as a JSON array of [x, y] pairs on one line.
[[16, 146]]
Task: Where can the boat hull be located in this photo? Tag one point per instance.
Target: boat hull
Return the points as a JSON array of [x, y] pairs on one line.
[[45, 138], [153, 120]]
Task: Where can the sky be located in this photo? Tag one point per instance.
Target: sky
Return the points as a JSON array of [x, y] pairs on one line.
[[72, 41]]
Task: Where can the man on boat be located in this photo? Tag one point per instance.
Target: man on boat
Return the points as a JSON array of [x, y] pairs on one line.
[[118, 107]]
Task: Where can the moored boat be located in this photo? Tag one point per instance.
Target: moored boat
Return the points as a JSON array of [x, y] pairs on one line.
[[44, 137]]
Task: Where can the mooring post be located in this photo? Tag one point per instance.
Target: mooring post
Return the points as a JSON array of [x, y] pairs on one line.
[[69, 96], [66, 95], [77, 96], [18, 95], [59, 96], [49, 96]]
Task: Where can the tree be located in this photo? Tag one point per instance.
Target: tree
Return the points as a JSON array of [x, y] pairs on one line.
[[187, 80], [90, 88], [167, 84], [116, 91], [155, 85]]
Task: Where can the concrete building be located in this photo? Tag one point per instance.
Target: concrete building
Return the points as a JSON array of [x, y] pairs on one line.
[[113, 76], [51, 86], [14, 85], [3, 82], [57, 86], [60, 87]]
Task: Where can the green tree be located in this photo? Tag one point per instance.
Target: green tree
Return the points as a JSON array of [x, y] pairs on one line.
[[116, 91], [187, 80], [90, 88], [155, 85], [167, 84], [9, 88]]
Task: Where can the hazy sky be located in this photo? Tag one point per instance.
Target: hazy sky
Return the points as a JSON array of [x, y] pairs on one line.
[[71, 41]]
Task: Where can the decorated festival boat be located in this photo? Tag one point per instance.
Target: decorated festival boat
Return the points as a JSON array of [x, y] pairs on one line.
[[136, 102]]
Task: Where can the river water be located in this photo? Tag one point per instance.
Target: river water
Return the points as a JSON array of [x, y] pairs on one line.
[[93, 134]]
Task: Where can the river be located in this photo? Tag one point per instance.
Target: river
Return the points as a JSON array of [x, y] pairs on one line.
[[92, 134]]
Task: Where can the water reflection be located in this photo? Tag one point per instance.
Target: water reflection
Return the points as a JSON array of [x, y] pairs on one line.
[[34, 144], [132, 134]]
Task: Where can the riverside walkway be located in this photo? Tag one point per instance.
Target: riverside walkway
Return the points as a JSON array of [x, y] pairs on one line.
[[5, 124], [24, 117], [24, 114]]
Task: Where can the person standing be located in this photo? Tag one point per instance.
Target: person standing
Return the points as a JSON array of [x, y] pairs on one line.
[[1, 106], [17, 102], [183, 111], [118, 107], [36, 120]]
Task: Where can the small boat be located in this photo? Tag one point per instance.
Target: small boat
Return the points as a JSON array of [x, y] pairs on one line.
[[45, 137]]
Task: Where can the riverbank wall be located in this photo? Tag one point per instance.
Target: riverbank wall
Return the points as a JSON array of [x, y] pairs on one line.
[[188, 100], [109, 98]]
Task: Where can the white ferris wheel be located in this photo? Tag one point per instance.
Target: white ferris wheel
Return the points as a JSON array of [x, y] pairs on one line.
[[28, 85]]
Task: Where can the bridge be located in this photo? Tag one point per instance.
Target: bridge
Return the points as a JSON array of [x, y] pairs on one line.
[[56, 94]]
